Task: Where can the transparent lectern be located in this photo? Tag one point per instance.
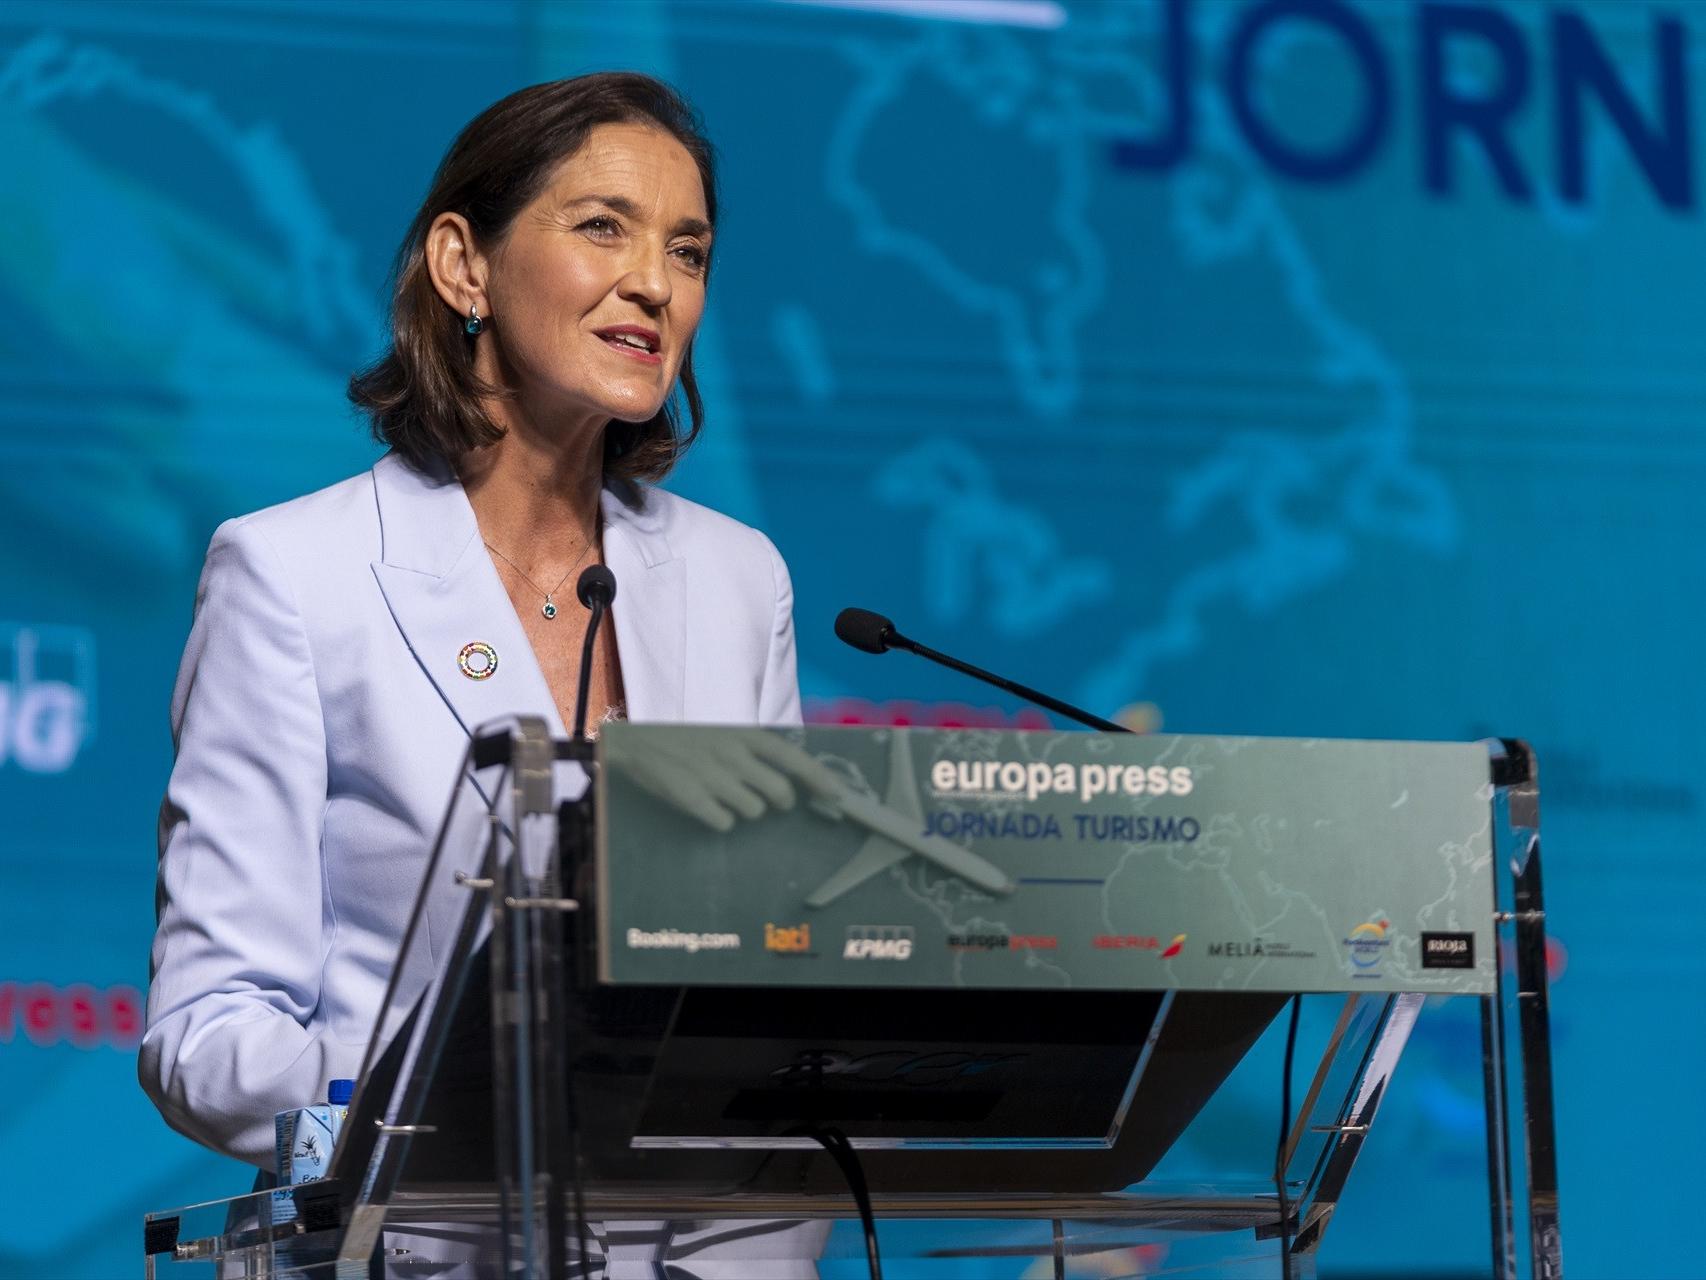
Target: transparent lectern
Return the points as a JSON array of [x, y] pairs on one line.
[[755, 990]]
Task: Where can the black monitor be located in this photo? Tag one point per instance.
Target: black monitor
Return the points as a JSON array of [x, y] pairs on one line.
[[941, 1091]]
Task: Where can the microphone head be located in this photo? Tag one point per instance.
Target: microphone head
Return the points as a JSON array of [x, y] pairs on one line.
[[864, 630], [596, 583]]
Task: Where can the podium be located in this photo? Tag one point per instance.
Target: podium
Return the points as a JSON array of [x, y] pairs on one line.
[[974, 993]]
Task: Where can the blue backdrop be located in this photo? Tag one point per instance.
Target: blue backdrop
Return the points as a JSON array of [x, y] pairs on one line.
[[1290, 367]]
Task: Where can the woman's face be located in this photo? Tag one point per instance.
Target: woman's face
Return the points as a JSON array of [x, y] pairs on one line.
[[598, 287]]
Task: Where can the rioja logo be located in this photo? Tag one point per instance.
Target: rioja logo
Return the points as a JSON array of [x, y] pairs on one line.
[[1448, 950]]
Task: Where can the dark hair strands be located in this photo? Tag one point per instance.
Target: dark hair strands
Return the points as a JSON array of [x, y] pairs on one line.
[[422, 396]]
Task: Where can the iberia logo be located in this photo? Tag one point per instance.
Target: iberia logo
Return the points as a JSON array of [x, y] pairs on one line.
[[1367, 941], [1174, 947]]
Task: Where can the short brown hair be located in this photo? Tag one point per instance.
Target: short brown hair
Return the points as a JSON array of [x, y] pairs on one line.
[[423, 395]]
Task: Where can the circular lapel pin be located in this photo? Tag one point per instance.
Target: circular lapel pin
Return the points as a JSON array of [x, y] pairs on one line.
[[477, 660]]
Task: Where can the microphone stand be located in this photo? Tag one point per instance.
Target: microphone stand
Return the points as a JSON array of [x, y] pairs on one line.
[[873, 633], [596, 589], [1029, 694]]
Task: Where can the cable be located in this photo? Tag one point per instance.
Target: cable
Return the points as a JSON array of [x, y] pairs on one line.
[[574, 825], [1284, 1131], [841, 1151]]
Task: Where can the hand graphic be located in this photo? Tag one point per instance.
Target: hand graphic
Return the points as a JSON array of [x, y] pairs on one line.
[[721, 778]]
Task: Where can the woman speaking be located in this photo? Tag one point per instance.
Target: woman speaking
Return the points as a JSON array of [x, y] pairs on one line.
[[346, 643]]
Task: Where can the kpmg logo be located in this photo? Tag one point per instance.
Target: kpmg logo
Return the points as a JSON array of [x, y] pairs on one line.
[[47, 704], [878, 942], [788, 939]]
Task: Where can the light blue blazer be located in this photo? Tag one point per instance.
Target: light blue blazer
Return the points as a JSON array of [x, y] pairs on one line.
[[320, 718]]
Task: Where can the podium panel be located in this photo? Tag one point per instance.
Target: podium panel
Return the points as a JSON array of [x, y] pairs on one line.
[[660, 1028]]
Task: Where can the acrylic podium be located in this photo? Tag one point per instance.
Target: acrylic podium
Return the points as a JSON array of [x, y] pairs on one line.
[[754, 993]]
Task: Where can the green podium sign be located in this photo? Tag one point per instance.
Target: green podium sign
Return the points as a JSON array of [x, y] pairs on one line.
[[979, 858]]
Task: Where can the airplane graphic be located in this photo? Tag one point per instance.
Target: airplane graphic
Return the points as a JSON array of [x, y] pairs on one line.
[[896, 824]]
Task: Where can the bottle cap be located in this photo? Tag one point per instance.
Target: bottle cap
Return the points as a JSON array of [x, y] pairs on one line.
[[339, 1092]]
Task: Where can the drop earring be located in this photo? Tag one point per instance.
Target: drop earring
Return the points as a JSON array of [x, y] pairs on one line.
[[473, 324]]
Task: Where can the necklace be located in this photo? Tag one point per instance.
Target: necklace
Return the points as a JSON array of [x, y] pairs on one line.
[[550, 609]]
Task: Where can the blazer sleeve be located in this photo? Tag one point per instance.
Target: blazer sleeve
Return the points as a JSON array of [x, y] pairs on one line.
[[240, 939], [779, 691]]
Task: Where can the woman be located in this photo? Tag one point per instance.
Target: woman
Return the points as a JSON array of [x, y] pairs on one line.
[[346, 643]]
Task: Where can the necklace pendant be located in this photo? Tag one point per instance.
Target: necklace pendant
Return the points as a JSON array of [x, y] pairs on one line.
[[550, 609]]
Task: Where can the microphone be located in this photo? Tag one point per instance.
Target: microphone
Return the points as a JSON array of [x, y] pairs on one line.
[[596, 583], [874, 633], [596, 589], [864, 630]]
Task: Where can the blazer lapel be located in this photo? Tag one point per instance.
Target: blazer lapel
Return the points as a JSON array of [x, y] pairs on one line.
[[445, 595], [650, 611]]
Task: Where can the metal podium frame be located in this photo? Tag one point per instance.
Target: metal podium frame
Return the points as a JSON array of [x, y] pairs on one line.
[[523, 901]]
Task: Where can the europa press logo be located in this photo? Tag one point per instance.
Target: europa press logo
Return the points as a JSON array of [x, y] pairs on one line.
[[47, 695], [1367, 943]]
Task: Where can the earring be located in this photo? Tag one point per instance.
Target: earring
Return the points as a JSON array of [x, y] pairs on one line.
[[473, 324]]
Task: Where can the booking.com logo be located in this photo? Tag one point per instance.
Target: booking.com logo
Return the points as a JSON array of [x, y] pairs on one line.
[[47, 700]]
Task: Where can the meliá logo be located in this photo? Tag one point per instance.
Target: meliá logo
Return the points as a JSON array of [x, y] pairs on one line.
[[878, 942], [1368, 942], [788, 940], [1255, 949]]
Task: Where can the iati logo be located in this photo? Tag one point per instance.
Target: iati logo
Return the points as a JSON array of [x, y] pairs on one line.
[[788, 939], [878, 942], [1367, 945], [1138, 942]]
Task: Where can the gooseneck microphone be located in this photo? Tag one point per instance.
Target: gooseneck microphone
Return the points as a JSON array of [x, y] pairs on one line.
[[596, 589], [876, 634]]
